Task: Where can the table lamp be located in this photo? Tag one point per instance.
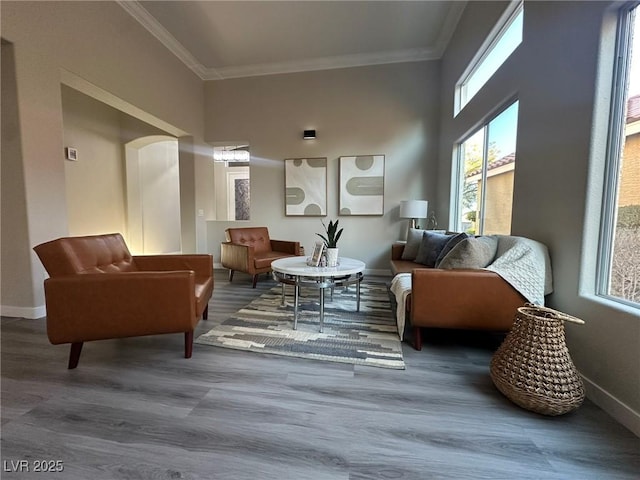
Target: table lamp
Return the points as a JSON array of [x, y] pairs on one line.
[[413, 209]]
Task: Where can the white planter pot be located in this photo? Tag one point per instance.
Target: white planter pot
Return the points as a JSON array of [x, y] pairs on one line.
[[332, 257]]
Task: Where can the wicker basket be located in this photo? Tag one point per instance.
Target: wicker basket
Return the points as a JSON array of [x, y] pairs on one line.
[[533, 368]]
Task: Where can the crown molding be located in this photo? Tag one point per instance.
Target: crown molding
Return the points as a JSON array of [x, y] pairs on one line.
[[326, 63], [139, 13], [449, 26]]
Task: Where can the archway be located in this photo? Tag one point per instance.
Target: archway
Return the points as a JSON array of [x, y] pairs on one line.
[[153, 195]]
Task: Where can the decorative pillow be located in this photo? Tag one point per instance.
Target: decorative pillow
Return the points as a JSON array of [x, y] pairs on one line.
[[472, 252], [453, 241], [414, 238], [430, 247]]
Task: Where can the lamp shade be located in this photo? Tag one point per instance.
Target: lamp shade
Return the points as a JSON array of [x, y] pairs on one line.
[[413, 208]]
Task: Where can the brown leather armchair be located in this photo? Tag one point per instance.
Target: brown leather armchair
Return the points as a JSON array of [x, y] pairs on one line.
[[97, 290], [250, 250]]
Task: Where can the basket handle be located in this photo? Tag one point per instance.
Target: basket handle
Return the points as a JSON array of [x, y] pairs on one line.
[[561, 315]]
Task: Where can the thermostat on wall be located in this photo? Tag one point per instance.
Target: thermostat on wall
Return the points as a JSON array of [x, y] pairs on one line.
[[71, 153]]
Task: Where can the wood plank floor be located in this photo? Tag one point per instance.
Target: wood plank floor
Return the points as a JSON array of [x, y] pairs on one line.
[[135, 409]]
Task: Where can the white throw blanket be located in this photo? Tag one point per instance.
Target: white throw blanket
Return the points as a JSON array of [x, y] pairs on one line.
[[401, 288], [525, 265]]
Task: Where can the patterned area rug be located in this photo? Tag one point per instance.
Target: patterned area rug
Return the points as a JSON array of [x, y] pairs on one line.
[[369, 337]]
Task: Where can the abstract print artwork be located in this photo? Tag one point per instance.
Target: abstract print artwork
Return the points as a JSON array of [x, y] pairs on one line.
[[242, 200], [305, 182], [362, 185]]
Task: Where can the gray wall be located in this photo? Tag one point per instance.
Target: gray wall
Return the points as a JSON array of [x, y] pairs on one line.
[[98, 48], [95, 184], [558, 177], [15, 233], [390, 110]]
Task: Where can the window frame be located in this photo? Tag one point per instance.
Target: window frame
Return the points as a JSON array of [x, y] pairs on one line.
[[458, 167], [515, 8], [615, 135]]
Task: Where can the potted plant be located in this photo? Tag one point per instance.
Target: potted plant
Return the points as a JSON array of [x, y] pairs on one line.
[[331, 237]]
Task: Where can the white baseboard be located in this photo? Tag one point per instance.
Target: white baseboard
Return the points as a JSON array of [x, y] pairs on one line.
[[620, 411], [23, 312]]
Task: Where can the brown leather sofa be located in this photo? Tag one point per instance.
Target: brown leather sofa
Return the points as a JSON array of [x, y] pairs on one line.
[[250, 250], [97, 290], [462, 298]]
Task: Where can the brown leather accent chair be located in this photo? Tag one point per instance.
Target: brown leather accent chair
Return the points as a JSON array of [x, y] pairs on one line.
[[250, 250], [97, 290], [472, 299]]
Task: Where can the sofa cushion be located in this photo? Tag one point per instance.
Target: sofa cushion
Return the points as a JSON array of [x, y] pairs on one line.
[[403, 266], [430, 247], [264, 259], [472, 252], [453, 241], [414, 239]]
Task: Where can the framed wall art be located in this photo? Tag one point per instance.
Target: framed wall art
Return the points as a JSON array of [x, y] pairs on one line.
[[362, 185], [305, 183]]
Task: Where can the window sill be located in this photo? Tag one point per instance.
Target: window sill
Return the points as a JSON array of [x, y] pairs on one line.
[[615, 305]]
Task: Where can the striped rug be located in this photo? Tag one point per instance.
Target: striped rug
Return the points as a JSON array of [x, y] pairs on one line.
[[368, 337]]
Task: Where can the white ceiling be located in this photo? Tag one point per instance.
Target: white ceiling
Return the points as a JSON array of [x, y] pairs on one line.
[[230, 39]]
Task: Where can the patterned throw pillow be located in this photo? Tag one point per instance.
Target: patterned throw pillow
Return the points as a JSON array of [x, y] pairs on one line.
[[472, 252], [430, 247], [414, 238], [453, 241]]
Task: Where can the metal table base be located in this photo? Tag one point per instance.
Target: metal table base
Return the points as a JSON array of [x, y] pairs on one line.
[[320, 283]]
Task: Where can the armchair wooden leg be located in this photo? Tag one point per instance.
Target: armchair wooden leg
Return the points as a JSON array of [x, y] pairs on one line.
[[74, 355], [188, 344], [255, 280], [417, 338], [205, 313], [230, 276]]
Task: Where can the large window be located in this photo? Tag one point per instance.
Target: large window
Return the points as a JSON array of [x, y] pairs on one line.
[[501, 43], [619, 273], [486, 165]]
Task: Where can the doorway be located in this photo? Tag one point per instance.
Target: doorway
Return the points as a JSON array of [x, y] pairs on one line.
[[153, 195]]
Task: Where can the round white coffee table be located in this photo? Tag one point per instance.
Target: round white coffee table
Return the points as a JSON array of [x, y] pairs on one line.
[[295, 271]]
